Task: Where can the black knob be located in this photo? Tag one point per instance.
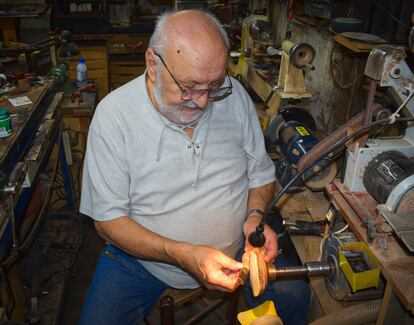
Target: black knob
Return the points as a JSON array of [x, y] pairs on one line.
[[257, 238]]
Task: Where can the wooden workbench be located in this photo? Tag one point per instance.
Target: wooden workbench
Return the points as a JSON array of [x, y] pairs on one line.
[[84, 108], [20, 115], [397, 265]]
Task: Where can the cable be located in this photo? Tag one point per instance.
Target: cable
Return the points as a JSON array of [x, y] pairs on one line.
[[256, 238], [396, 114], [341, 230], [390, 14], [336, 82], [350, 10]]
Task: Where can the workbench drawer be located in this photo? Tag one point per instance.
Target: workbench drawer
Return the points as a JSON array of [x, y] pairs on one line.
[[123, 71]]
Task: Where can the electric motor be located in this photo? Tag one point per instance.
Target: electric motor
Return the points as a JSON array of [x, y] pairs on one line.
[[294, 132], [389, 179]]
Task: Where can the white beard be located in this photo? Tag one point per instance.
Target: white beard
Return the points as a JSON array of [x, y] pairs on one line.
[[186, 113]]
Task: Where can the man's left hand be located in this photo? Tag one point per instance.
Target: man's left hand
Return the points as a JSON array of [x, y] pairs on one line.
[[270, 248]]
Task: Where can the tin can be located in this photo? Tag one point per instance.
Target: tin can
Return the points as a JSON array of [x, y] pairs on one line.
[[5, 123]]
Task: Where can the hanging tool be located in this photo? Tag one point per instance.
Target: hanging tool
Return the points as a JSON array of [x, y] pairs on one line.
[[302, 227]]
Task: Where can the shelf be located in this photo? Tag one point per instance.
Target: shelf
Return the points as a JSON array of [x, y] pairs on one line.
[[358, 47]]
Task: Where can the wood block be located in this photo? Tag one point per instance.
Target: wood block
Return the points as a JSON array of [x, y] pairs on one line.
[[258, 271]]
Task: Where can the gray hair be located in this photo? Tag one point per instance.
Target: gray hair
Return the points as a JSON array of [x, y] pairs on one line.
[[159, 40]]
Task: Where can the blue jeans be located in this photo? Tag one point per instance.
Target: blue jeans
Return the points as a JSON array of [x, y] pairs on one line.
[[123, 292]]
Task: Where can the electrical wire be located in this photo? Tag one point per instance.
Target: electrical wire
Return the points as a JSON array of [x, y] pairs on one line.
[[396, 114], [390, 14], [336, 82], [350, 10], [341, 230]]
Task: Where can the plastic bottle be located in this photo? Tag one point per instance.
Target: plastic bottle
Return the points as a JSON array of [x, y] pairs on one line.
[[81, 73]]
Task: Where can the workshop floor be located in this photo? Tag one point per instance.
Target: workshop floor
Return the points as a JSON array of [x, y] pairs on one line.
[[78, 284], [83, 269]]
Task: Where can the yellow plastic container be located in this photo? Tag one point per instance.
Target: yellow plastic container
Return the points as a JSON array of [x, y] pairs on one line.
[[364, 279], [263, 314]]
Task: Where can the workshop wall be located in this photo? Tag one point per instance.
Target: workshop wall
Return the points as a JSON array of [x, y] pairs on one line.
[[335, 84], [335, 99]]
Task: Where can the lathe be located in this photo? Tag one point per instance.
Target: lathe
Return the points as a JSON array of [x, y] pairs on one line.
[[279, 68]]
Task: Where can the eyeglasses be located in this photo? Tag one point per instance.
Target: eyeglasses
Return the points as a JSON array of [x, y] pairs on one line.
[[213, 94]]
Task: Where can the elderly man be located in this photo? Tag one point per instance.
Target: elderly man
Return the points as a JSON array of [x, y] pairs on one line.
[[175, 173]]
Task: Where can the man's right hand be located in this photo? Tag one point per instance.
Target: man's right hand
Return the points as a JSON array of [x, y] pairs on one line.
[[212, 267]]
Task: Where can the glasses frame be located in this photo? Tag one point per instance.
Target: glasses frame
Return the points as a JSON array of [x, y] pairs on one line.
[[227, 91]]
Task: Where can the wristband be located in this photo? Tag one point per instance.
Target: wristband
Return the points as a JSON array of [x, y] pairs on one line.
[[255, 212]]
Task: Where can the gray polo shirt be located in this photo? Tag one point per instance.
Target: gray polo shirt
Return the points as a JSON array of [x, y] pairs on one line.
[[140, 165]]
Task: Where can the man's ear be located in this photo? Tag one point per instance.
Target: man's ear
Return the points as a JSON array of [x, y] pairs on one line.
[[151, 64]]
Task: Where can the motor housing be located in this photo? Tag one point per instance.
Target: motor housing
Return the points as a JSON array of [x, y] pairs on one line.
[[294, 133], [389, 179]]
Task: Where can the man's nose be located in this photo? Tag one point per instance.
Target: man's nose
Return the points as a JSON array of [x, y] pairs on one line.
[[201, 101]]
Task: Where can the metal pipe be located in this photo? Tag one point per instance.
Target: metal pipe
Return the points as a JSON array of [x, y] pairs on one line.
[[308, 269]]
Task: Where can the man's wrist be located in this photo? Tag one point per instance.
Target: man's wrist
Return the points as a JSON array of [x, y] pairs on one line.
[[255, 212], [254, 216], [175, 251]]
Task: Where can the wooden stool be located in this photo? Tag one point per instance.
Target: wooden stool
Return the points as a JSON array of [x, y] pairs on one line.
[[176, 297]]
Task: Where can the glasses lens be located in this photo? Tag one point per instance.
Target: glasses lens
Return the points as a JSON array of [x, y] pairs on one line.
[[193, 93], [219, 93], [213, 94]]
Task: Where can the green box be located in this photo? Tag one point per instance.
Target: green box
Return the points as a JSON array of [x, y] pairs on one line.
[[364, 279]]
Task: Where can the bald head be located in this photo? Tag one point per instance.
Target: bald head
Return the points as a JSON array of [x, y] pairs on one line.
[[193, 28], [190, 35], [190, 23]]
